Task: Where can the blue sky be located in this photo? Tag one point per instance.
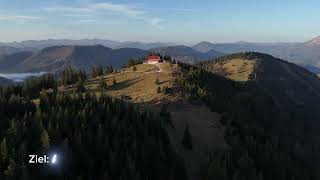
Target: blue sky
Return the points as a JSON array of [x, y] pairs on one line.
[[184, 21]]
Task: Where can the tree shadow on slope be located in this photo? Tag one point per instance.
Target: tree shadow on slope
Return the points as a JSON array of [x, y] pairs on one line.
[[124, 84]]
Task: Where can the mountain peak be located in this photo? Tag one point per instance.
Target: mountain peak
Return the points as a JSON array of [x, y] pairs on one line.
[[313, 42], [242, 42], [204, 42], [203, 46]]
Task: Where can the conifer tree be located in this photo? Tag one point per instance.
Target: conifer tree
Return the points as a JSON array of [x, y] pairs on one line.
[[109, 70], [159, 89], [103, 132], [97, 71], [10, 172], [45, 140], [157, 81], [4, 150], [114, 82], [103, 85], [25, 173], [187, 138], [79, 87], [165, 90]]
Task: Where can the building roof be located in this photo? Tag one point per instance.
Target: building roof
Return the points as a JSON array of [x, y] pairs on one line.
[[153, 58]]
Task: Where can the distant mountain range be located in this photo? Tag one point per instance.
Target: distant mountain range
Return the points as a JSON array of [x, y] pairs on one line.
[[314, 42], [307, 53], [84, 42], [313, 69], [8, 50], [10, 61], [187, 54], [53, 59], [5, 81], [50, 55]]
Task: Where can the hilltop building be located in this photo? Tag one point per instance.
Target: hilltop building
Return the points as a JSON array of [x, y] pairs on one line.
[[153, 59]]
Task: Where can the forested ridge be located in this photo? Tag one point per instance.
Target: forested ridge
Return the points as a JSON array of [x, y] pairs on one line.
[[95, 138], [269, 135], [266, 140]]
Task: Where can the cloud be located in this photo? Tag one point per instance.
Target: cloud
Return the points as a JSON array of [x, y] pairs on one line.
[[19, 18], [87, 21], [156, 22], [182, 10], [118, 8], [91, 9], [77, 15], [62, 9], [97, 7]]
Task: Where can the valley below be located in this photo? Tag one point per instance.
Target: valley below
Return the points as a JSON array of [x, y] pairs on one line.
[[20, 77]]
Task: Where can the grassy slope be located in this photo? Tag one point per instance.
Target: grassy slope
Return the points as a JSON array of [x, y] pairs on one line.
[[287, 83], [140, 87], [239, 69], [235, 68]]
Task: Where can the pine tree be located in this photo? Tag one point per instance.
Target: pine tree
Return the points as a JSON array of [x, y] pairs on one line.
[[157, 81], [114, 82], [25, 173], [109, 70], [95, 127], [260, 176], [187, 138], [167, 58], [103, 85], [4, 150], [165, 90], [13, 129], [165, 115], [159, 89], [45, 140], [22, 150], [97, 71], [11, 170], [80, 88]]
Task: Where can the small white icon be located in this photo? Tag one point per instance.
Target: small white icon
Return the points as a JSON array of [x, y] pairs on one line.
[[54, 159]]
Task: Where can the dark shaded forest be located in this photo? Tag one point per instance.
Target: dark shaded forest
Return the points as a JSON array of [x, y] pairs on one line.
[[266, 141], [95, 138]]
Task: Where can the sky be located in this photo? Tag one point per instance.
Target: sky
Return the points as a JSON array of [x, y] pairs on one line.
[[184, 21]]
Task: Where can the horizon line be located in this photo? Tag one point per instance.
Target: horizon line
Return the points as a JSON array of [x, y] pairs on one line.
[[169, 42]]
